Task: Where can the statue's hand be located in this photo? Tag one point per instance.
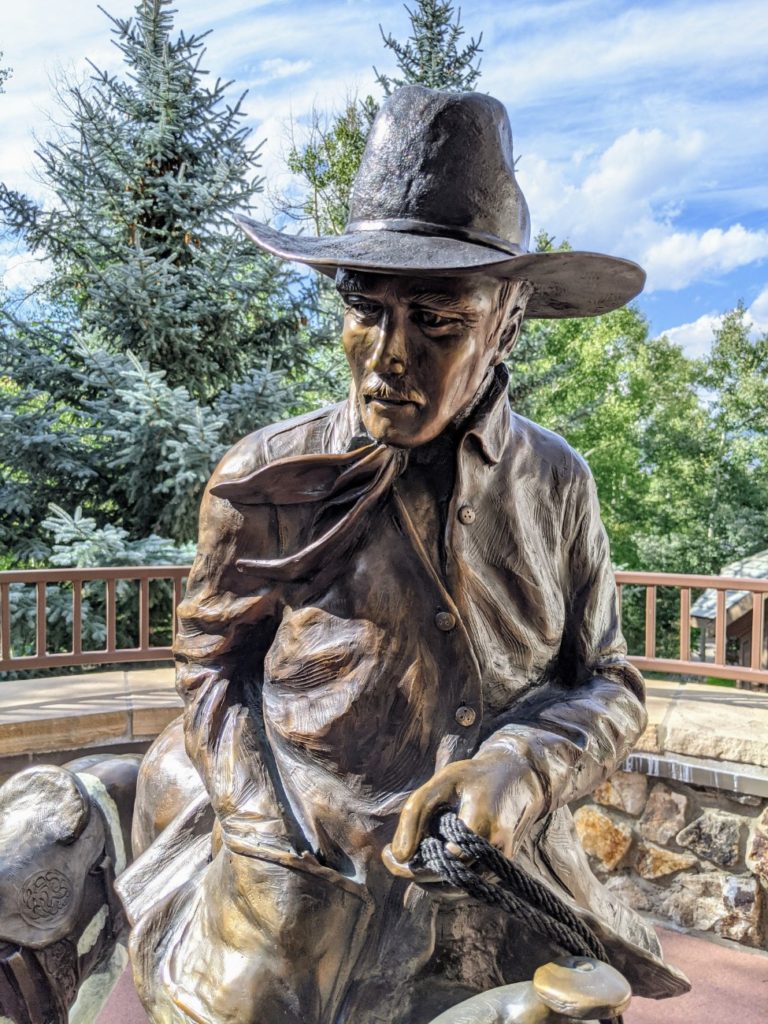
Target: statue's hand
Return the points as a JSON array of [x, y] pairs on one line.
[[495, 794]]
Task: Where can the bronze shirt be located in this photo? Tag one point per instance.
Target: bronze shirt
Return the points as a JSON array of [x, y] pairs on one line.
[[330, 663]]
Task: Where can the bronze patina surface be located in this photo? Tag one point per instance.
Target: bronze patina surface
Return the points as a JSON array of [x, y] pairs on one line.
[[64, 836], [400, 603]]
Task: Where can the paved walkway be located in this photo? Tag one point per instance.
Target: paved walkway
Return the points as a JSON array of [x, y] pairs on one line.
[[730, 986]]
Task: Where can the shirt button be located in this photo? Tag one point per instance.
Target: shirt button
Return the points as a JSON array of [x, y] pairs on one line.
[[445, 621], [465, 716], [467, 515]]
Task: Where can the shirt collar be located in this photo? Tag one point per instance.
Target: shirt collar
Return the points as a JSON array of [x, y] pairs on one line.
[[489, 422]]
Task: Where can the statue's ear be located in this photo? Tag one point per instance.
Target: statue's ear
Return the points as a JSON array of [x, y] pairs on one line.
[[509, 335], [47, 800]]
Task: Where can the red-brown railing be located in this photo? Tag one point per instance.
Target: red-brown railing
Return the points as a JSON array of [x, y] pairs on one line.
[[684, 664], [77, 655]]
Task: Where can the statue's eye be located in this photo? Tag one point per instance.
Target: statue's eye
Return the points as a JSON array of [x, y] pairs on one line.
[[433, 321], [363, 309]]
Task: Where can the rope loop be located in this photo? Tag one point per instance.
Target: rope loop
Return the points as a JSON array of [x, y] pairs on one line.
[[511, 889]]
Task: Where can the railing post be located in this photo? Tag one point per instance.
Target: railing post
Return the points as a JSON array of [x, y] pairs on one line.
[[111, 615], [720, 628], [40, 631], [144, 614], [650, 622], [5, 620], [685, 624], [77, 616], [758, 616]]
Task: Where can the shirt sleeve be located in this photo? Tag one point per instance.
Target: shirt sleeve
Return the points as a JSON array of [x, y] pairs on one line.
[[578, 726], [225, 625]]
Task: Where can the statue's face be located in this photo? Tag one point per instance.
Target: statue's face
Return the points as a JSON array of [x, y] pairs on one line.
[[419, 349]]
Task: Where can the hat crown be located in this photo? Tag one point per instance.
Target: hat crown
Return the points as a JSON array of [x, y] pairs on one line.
[[442, 162]]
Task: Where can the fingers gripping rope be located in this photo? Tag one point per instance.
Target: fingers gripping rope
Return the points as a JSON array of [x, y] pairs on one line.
[[515, 891]]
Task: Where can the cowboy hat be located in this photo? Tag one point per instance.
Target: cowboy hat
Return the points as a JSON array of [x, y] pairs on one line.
[[436, 194]]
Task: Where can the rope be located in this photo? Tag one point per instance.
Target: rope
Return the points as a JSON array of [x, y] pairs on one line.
[[516, 891]]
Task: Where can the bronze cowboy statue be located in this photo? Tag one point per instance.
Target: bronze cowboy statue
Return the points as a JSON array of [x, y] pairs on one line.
[[400, 604]]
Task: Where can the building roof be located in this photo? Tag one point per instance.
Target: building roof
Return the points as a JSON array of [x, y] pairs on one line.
[[754, 567]]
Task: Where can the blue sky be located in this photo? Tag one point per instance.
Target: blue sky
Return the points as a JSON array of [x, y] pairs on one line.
[[641, 129]]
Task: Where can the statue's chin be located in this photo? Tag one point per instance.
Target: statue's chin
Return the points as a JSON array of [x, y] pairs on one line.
[[398, 426]]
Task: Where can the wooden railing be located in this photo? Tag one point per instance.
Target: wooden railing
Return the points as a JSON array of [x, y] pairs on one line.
[[143, 650], [684, 664], [112, 651]]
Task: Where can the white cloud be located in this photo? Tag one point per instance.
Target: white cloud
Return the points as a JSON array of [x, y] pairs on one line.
[[695, 338], [758, 311], [641, 127], [277, 68], [624, 43], [627, 200], [686, 256], [618, 200]]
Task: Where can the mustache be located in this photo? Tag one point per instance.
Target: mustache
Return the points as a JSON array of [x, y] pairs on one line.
[[377, 387]]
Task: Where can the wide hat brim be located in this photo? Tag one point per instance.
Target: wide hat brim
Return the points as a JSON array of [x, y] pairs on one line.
[[565, 284]]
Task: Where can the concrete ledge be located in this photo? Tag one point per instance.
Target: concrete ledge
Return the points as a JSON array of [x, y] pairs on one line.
[[690, 725], [40, 716], [712, 723]]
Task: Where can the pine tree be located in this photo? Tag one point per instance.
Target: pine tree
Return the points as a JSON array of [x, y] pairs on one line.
[[162, 334], [326, 164], [5, 74], [431, 55], [146, 177], [83, 424]]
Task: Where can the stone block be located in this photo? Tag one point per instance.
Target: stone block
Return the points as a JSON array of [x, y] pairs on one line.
[[626, 791], [657, 862], [664, 814], [729, 905], [714, 835], [732, 730], [601, 836], [757, 849], [640, 897], [649, 742]]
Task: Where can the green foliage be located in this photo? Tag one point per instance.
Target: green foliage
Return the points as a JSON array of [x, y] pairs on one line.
[[736, 456], [162, 334], [328, 162], [431, 55], [5, 74], [146, 176], [678, 447], [89, 425]]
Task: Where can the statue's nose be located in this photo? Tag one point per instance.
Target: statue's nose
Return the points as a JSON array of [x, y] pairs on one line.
[[390, 351]]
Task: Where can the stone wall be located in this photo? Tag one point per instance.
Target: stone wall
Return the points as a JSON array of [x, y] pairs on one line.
[[694, 856]]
